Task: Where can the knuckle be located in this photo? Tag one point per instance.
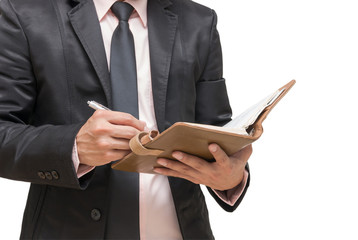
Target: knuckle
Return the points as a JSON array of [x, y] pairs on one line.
[[99, 129], [165, 171], [129, 132], [102, 144], [185, 170], [169, 164], [175, 174], [132, 132], [173, 166], [127, 118], [199, 167], [99, 114], [123, 145], [224, 161]]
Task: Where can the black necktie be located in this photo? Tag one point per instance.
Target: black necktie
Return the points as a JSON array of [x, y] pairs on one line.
[[123, 215], [123, 64]]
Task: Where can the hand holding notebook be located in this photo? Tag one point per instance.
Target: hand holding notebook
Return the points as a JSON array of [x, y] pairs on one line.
[[194, 138]]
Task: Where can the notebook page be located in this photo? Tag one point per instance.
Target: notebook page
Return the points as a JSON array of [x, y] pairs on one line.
[[248, 117]]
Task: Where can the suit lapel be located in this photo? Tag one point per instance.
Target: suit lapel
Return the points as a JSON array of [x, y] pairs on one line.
[[85, 23], [162, 25]]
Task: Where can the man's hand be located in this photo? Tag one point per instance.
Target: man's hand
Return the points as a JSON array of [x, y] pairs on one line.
[[105, 137], [227, 172]]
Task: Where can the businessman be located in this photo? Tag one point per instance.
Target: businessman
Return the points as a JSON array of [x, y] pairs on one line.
[[154, 63]]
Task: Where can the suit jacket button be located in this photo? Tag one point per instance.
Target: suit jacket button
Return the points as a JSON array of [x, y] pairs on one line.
[[41, 175], [95, 214], [55, 175], [48, 175]]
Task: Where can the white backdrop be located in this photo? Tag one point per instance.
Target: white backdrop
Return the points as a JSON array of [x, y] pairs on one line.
[[304, 180]]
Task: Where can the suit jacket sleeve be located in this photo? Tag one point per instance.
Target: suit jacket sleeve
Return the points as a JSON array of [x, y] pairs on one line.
[[212, 106], [27, 152]]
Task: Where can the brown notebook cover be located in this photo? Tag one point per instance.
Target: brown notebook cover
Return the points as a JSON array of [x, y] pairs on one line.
[[192, 139]]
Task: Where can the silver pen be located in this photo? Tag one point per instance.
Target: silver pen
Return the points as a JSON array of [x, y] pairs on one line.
[[95, 105]]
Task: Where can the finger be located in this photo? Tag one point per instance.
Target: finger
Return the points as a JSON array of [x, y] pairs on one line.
[[125, 132], [178, 167], [173, 173], [99, 158], [120, 144], [220, 156], [199, 164], [114, 155], [120, 118], [107, 144]]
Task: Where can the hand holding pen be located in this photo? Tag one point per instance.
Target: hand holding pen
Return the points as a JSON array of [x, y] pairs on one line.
[[105, 136]]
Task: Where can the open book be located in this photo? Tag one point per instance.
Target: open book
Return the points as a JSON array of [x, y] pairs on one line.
[[241, 123], [194, 138]]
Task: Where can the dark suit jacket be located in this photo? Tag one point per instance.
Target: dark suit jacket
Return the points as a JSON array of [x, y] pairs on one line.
[[52, 61]]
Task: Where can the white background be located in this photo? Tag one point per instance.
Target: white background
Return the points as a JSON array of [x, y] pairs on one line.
[[304, 168]]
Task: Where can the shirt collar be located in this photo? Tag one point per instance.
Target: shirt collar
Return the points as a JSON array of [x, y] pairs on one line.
[[140, 6]]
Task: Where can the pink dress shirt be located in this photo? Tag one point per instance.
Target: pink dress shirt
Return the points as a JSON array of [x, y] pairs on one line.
[[158, 218]]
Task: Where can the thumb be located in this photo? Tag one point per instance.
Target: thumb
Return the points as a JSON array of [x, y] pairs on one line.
[[220, 156]]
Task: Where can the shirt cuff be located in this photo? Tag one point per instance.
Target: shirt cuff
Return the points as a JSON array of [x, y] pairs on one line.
[[232, 195], [81, 169]]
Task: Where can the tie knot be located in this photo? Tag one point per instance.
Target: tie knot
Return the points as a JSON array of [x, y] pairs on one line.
[[122, 10]]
